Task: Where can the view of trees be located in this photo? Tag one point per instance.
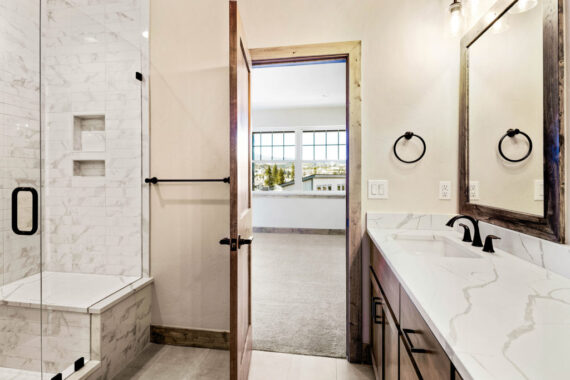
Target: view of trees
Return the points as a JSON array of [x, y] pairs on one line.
[[277, 176]]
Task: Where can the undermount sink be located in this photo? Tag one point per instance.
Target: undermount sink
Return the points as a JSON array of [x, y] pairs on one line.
[[434, 245]]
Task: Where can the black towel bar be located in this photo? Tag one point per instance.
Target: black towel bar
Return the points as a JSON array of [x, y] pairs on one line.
[[155, 180]]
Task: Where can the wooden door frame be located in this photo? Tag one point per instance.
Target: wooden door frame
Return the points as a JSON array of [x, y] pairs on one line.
[[351, 51]]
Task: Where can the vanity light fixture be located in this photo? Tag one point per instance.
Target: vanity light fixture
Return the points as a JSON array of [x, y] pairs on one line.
[[455, 19], [523, 6]]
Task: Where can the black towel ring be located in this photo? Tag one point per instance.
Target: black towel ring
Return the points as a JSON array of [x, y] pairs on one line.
[[408, 136], [512, 133]]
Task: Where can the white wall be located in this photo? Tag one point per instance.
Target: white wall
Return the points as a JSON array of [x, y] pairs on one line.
[[190, 139], [410, 69], [304, 211], [298, 117]]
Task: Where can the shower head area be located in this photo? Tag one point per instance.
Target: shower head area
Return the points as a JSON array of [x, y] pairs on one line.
[[75, 290]]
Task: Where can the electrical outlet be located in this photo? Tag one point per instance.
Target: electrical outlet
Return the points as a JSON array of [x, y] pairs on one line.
[[445, 190], [474, 190], [538, 190], [377, 189]]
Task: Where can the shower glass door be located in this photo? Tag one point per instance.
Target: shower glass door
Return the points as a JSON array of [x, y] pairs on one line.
[[20, 190], [92, 173]]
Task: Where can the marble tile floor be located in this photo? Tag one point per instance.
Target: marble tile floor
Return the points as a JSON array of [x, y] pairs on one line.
[[159, 362], [63, 291]]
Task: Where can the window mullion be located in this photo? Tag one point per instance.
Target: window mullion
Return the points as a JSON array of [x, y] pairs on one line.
[[298, 159]]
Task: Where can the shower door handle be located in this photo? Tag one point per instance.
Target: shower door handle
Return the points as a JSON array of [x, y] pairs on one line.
[[35, 210]]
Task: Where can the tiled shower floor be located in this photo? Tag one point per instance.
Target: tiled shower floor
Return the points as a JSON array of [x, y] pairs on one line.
[[63, 291]]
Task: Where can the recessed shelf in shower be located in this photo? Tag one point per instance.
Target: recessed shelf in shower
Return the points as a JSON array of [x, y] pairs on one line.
[[89, 133], [89, 168]]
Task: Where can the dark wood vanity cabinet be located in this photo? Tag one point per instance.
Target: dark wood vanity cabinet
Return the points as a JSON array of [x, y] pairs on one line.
[[391, 337], [377, 330], [407, 369], [403, 346], [431, 360]]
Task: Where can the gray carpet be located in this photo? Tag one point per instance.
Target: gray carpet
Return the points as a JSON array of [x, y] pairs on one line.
[[299, 294]]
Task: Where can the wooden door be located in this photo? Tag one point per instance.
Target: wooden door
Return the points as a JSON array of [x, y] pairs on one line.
[[240, 201]]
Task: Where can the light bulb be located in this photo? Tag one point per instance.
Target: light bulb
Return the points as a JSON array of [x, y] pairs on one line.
[[455, 18], [523, 6]]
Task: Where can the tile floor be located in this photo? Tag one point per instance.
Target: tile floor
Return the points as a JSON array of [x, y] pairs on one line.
[[187, 363]]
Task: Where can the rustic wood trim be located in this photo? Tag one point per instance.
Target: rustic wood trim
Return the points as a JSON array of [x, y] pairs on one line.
[[240, 307], [551, 226], [351, 51], [302, 231], [174, 336]]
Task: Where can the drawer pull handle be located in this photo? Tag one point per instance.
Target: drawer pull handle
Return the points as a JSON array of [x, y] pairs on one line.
[[376, 301], [412, 348]]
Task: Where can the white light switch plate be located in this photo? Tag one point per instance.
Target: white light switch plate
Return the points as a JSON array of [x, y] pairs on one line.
[[445, 190], [538, 190], [474, 190], [377, 189]]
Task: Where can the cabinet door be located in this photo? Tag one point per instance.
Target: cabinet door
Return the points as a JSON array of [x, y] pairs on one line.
[[407, 369], [388, 281], [456, 375], [391, 346], [429, 356], [377, 324]]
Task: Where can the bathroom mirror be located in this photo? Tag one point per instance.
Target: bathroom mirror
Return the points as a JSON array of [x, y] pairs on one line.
[[511, 150]]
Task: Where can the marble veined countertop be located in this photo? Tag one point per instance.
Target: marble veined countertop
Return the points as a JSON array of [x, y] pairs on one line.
[[497, 317]]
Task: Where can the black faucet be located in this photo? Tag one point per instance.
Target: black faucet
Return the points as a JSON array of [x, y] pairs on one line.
[[489, 243], [476, 235], [466, 233]]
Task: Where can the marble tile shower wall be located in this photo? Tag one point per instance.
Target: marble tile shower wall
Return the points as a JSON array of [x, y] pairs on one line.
[[19, 130], [91, 51], [546, 254]]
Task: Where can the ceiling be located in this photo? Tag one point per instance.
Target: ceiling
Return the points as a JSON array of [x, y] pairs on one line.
[[299, 85]]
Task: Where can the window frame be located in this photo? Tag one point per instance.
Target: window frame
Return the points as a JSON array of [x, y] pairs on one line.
[[298, 161]]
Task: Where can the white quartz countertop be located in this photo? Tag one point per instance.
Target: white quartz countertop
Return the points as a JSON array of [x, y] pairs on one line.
[[497, 317]]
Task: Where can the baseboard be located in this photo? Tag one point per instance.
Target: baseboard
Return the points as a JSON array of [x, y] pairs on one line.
[[190, 337], [311, 231]]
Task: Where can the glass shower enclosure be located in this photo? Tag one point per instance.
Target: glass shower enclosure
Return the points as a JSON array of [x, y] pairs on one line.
[[72, 141]]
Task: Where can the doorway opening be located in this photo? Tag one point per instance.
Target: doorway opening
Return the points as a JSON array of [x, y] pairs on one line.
[[299, 189]]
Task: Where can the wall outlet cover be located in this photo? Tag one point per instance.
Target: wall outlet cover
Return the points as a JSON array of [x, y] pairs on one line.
[[474, 191], [445, 190], [538, 190], [377, 189]]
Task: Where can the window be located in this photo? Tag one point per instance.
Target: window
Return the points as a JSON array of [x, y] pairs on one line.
[[320, 155], [274, 146], [273, 160], [324, 146]]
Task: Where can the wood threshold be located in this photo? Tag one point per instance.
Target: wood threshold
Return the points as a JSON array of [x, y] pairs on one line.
[[351, 51]]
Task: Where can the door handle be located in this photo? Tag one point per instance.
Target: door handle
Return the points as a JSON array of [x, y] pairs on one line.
[[231, 242], [412, 348], [247, 241], [35, 210], [376, 301]]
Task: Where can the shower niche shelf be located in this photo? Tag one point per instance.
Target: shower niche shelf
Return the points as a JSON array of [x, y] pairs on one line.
[[89, 133], [88, 168]]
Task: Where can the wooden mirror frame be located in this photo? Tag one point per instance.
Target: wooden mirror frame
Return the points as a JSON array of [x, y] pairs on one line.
[[551, 225]]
